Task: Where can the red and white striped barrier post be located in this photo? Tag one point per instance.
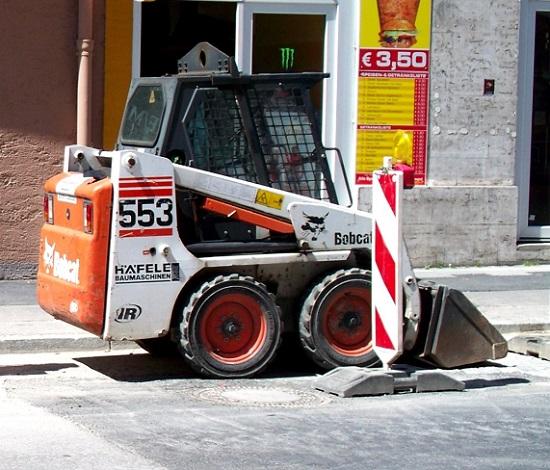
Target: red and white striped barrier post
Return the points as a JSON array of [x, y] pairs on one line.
[[387, 292]]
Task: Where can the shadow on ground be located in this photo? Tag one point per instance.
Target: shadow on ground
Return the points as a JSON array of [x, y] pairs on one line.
[[34, 369], [137, 367], [143, 367], [484, 383]]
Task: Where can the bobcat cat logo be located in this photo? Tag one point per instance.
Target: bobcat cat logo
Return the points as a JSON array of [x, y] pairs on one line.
[[314, 226], [48, 255], [59, 266]]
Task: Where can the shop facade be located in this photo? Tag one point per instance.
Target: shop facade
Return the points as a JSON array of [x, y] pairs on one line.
[[475, 110], [460, 94]]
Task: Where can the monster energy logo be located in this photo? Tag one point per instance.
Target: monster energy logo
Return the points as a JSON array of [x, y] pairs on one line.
[[287, 57]]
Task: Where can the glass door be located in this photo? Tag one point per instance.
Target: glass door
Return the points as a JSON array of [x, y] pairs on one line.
[[534, 122], [288, 43]]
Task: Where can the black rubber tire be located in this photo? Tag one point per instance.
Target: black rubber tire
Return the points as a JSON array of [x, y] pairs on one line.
[[335, 320], [159, 347], [230, 328]]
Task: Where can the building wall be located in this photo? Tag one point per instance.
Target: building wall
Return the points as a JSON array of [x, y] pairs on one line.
[[467, 213], [37, 117], [472, 135]]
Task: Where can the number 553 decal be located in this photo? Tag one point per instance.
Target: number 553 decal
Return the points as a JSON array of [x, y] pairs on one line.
[[149, 212]]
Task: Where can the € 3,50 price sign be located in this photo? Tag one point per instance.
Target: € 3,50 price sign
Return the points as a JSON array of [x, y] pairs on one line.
[[393, 90]]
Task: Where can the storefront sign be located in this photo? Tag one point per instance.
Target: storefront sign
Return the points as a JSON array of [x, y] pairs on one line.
[[393, 94]]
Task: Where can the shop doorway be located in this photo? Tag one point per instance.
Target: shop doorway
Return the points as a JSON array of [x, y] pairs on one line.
[[539, 177], [171, 28], [280, 42], [534, 123], [317, 35]]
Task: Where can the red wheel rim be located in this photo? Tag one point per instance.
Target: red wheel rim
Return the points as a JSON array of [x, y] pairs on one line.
[[346, 321], [233, 328]]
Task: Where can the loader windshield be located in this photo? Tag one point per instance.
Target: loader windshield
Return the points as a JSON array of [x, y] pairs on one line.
[[143, 116]]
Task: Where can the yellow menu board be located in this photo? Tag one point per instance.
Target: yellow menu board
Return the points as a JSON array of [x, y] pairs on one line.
[[393, 91]]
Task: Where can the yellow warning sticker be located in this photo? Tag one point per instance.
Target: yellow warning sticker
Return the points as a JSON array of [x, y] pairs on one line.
[[269, 199]]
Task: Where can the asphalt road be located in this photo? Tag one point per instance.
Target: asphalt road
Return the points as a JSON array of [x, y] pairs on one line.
[[121, 411]]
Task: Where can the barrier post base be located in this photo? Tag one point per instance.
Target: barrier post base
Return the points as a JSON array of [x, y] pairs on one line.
[[349, 382]]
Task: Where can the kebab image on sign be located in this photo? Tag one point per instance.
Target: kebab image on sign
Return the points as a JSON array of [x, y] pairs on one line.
[[397, 22]]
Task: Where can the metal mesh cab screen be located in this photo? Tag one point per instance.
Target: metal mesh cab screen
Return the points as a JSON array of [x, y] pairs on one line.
[[263, 133], [217, 137], [284, 125]]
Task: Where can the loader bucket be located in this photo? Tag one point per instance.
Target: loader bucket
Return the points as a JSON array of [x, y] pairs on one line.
[[453, 331]]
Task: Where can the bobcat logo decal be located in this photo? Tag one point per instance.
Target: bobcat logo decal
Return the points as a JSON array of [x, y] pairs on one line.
[[59, 266], [314, 226], [48, 255]]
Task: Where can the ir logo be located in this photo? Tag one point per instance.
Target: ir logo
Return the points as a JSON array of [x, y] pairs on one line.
[[127, 313]]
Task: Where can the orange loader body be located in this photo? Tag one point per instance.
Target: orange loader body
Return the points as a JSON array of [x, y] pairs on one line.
[[72, 271]]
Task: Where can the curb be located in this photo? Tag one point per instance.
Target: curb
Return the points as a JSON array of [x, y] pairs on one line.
[[518, 329]]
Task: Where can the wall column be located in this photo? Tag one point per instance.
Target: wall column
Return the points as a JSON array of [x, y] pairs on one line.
[[85, 46]]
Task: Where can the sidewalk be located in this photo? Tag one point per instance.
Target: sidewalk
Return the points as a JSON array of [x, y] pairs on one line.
[[25, 327], [516, 299]]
